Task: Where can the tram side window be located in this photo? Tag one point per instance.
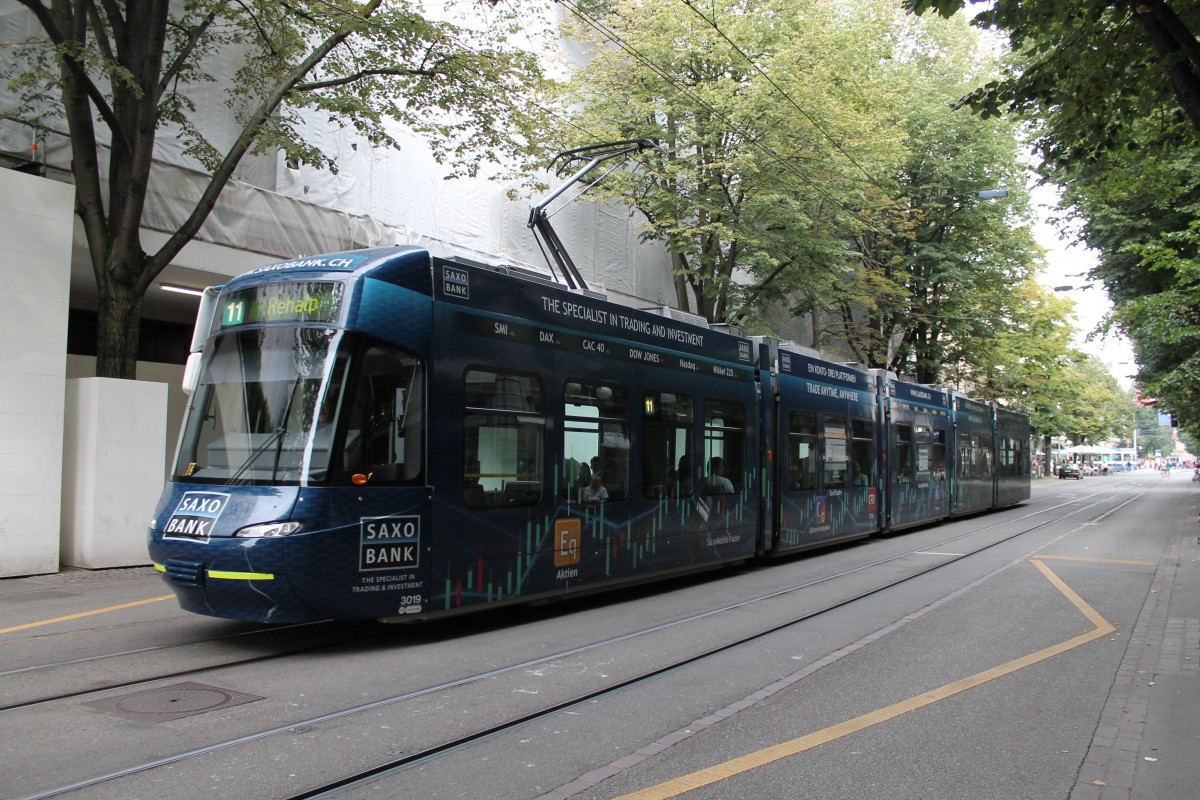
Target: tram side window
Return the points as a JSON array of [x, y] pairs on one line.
[[325, 425], [802, 451], [668, 470], [904, 453], [966, 455], [504, 429], [724, 446], [836, 457], [983, 455], [1005, 461], [385, 427], [862, 452], [1014, 461], [595, 438], [937, 455], [923, 445]]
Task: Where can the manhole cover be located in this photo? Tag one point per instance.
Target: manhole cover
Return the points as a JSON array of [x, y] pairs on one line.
[[172, 702]]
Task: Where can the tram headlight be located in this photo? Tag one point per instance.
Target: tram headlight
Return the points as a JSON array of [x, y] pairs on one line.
[[269, 530]]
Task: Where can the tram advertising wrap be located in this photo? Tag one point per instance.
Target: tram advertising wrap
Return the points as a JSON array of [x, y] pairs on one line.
[[385, 434], [919, 430]]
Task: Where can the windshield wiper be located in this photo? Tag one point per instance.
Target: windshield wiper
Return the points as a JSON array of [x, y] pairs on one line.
[[275, 439], [277, 436]]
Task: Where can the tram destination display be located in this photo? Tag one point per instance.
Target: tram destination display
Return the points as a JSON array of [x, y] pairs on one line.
[[296, 301]]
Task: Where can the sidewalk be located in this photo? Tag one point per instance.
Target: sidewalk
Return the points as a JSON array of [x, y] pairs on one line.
[[1147, 746]]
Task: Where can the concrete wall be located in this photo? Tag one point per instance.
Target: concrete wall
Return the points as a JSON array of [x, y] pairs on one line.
[[170, 375], [35, 271], [48, 498], [113, 444]]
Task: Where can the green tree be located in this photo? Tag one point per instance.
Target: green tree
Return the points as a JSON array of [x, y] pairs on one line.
[[809, 157], [1098, 409], [1114, 90], [1139, 208], [767, 149], [956, 257], [1101, 65], [123, 72], [1029, 363], [1151, 437], [1166, 325]]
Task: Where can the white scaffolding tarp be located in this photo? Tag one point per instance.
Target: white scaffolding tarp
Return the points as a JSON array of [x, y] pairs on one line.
[[376, 197]]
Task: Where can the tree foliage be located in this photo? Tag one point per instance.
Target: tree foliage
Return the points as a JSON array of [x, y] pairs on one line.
[[957, 257], [125, 72], [1099, 409], [1152, 438], [1140, 209], [1149, 46], [1028, 363], [810, 156], [1166, 324], [766, 118], [1114, 88]]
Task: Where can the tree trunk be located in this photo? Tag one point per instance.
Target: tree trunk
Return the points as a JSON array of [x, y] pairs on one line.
[[681, 284], [117, 331], [1177, 50], [928, 366]]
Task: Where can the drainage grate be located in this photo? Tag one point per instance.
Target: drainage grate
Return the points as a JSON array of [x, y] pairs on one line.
[[172, 702]]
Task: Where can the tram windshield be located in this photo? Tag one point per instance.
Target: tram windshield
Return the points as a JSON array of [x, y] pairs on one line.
[[290, 405]]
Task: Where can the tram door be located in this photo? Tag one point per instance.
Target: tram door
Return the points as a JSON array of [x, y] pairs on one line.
[[917, 474]]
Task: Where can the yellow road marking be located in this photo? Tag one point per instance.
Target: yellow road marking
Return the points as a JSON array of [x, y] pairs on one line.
[[28, 625], [720, 772], [1098, 560]]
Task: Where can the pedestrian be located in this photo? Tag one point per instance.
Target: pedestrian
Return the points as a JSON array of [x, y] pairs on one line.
[[717, 483], [594, 493]]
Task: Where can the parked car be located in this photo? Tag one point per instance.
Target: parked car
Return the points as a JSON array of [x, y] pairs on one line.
[[1070, 471]]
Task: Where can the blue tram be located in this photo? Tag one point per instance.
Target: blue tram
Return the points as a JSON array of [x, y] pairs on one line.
[[918, 431], [974, 456], [828, 427], [387, 434]]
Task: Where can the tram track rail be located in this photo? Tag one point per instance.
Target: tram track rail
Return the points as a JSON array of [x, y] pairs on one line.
[[410, 760], [301, 650], [1070, 508], [167, 648]]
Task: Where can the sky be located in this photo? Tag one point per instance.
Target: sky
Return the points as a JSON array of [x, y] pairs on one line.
[[1068, 265]]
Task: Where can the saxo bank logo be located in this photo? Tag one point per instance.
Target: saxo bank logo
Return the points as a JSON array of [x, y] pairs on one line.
[[195, 515], [456, 283], [389, 543]]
